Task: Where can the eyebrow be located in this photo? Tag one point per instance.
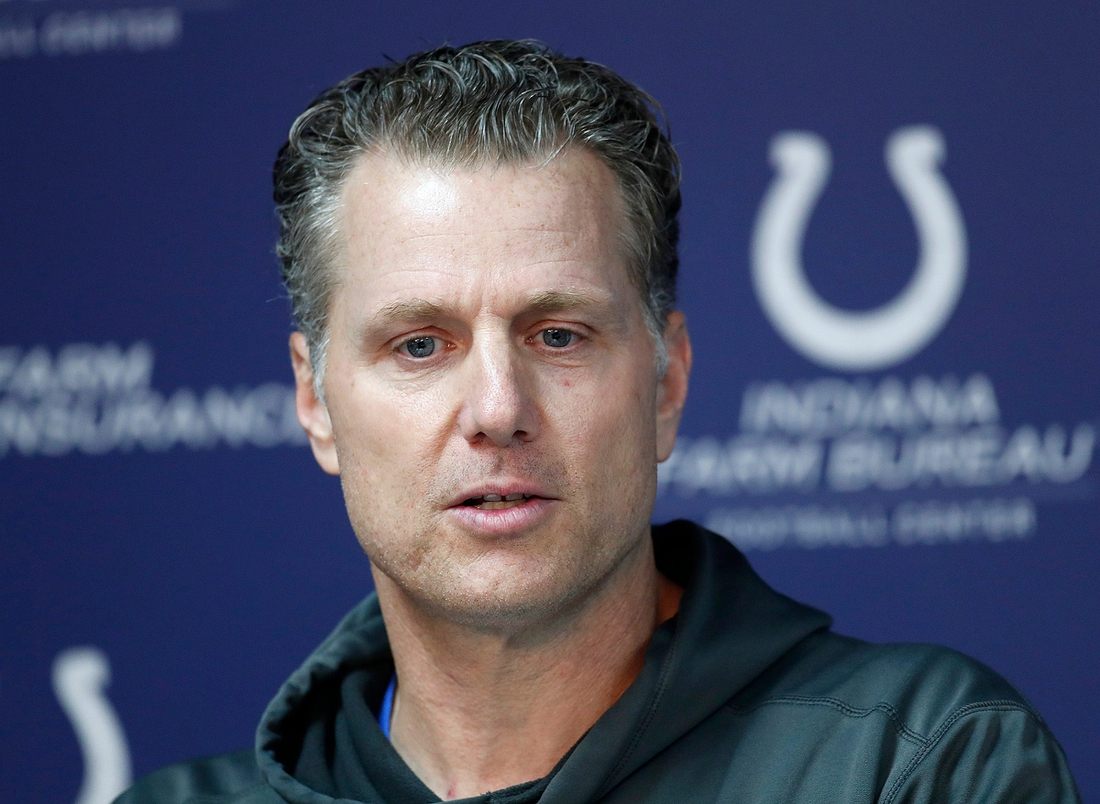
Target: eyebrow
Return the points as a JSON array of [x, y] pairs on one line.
[[411, 311], [550, 301]]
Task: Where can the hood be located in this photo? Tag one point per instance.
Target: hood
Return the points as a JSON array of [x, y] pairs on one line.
[[730, 628]]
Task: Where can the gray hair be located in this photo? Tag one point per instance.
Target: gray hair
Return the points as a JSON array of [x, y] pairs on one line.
[[495, 102]]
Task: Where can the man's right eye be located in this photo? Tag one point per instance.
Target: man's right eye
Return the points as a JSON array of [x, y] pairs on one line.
[[419, 347]]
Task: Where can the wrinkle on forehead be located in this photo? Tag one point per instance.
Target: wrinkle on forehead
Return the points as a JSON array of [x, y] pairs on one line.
[[538, 229], [410, 223]]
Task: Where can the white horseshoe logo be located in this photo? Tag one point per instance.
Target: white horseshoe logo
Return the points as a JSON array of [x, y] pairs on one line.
[[884, 336], [79, 678]]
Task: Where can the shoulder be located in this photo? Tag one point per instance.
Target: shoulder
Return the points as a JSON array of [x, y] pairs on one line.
[[947, 722], [920, 688], [224, 778], [924, 681]]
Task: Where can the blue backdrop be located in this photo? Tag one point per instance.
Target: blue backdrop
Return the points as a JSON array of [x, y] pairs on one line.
[[896, 397]]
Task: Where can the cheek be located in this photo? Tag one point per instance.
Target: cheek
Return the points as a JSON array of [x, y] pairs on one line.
[[385, 472], [611, 423], [382, 437]]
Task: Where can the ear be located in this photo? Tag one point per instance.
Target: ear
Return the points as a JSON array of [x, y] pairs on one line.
[[312, 413], [673, 387]]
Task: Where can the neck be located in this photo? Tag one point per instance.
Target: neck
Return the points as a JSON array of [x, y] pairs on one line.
[[478, 711]]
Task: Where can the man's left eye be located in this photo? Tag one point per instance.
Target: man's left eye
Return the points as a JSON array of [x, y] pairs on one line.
[[557, 338]]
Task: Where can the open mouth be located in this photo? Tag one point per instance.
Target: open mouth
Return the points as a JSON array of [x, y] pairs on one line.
[[491, 502]]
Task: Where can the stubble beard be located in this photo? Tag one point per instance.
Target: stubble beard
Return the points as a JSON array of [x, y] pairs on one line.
[[518, 588], [524, 606]]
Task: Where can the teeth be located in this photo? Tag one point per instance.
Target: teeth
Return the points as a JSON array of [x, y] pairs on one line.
[[493, 501]]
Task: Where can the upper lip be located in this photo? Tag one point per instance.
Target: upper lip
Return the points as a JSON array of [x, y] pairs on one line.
[[504, 489]]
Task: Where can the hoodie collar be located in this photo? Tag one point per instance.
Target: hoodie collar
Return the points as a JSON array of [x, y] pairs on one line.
[[730, 628]]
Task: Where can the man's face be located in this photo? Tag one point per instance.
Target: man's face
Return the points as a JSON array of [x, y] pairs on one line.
[[491, 397]]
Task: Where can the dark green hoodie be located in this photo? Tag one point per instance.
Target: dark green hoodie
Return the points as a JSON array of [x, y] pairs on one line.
[[745, 696]]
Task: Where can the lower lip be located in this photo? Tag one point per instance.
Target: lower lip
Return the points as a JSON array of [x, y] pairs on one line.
[[502, 521]]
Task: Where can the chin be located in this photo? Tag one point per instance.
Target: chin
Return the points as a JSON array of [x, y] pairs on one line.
[[503, 586], [504, 599]]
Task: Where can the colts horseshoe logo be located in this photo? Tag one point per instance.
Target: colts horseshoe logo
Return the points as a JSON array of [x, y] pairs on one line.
[[79, 678], [884, 336]]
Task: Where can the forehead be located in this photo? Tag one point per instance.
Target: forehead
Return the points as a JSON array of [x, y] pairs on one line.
[[409, 228]]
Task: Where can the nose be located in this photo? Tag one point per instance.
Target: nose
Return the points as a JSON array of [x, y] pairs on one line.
[[498, 406]]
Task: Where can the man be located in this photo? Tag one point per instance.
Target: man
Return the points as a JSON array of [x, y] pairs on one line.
[[480, 245]]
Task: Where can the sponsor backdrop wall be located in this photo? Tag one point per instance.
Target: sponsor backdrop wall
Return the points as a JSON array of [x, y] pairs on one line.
[[891, 239]]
